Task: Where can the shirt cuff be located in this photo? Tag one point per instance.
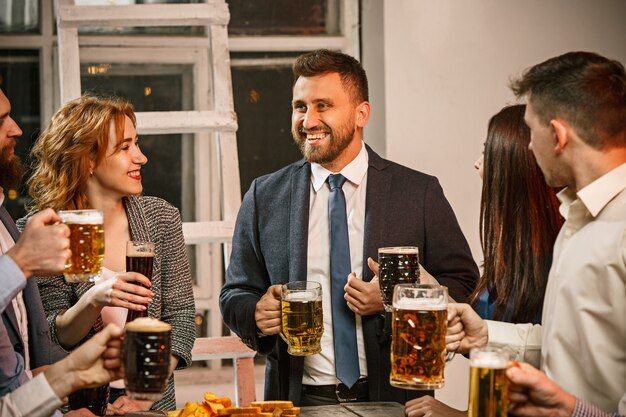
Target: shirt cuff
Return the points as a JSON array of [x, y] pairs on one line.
[[36, 397], [584, 408], [522, 341]]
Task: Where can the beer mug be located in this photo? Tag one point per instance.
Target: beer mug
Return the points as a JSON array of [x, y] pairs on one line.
[[86, 244], [418, 344], [139, 258], [301, 315], [488, 383], [93, 399], [146, 355], [396, 265]]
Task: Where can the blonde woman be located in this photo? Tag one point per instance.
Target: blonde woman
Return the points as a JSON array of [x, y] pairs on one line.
[[89, 158]]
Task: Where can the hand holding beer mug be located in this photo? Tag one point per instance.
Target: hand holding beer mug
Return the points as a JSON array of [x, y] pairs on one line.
[[301, 316], [397, 265], [147, 349], [139, 258], [418, 344], [488, 382], [86, 244]]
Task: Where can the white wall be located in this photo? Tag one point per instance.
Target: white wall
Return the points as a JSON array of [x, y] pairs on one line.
[[446, 68]]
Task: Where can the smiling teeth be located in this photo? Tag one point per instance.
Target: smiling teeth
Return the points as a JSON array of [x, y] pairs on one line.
[[316, 135], [133, 174]]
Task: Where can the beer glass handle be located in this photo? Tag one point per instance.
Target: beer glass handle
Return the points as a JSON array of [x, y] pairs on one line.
[[282, 336]]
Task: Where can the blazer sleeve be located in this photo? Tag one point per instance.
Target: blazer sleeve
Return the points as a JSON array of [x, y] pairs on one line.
[[12, 373], [247, 278], [177, 304], [447, 255]]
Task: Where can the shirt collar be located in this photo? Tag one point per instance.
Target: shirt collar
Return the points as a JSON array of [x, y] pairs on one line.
[[354, 172], [596, 195]]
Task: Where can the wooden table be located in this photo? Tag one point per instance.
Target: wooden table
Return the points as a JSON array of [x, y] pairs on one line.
[[386, 409]]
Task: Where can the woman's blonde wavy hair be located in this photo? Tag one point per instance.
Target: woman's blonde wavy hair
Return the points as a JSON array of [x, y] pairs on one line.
[[77, 134]]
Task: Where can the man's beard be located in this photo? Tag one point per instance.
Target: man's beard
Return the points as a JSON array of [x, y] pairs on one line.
[[338, 141], [11, 168]]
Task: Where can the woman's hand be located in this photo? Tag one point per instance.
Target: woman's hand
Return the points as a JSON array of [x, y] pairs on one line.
[[427, 406], [125, 405], [127, 289]]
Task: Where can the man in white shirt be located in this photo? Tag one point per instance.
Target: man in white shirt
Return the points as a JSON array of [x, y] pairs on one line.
[[576, 111]]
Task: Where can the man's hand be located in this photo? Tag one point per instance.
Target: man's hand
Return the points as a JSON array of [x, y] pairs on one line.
[[465, 328], [533, 394], [123, 291], [96, 362], [44, 246], [427, 406], [267, 312], [83, 412], [363, 297]]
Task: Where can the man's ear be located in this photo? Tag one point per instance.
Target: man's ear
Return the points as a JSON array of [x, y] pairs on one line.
[[561, 133], [362, 114]]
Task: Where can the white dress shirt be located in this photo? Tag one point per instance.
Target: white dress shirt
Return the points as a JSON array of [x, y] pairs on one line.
[[319, 369], [583, 332]]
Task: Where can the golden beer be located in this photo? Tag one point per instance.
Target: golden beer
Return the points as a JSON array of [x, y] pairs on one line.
[[418, 344], [86, 244], [488, 383], [302, 318]]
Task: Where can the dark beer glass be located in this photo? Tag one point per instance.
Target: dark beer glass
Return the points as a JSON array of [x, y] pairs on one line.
[[139, 258], [93, 399], [396, 265], [147, 349], [418, 343]]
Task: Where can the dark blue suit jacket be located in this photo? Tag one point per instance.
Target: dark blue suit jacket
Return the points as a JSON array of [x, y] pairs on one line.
[[41, 349], [403, 207]]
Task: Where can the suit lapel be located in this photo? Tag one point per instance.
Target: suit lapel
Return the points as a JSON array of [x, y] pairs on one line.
[[376, 204], [9, 223], [299, 223], [9, 313]]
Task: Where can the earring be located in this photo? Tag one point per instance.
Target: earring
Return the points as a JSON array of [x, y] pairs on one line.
[[90, 173]]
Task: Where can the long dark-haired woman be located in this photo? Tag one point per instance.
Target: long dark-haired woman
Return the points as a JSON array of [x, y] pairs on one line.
[[89, 157], [519, 222]]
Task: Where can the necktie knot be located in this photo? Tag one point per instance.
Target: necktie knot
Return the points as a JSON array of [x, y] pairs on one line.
[[336, 181]]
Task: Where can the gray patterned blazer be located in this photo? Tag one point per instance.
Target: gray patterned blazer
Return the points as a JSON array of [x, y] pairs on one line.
[[155, 220]]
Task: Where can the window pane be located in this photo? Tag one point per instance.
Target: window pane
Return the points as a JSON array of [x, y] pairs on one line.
[[157, 30], [19, 80], [283, 17], [153, 88], [19, 16], [262, 97]]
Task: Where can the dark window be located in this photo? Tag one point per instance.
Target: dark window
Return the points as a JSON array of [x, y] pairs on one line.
[[19, 79], [262, 97]]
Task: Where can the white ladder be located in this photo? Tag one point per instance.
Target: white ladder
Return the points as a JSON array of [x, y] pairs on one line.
[[214, 117]]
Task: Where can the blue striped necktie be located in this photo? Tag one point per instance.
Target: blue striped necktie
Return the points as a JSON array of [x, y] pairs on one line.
[[344, 327]]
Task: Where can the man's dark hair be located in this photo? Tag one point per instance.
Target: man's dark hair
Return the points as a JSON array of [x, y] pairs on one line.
[[323, 61], [586, 89]]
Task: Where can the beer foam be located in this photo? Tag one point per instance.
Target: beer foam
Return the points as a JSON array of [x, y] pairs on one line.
[[489, 362], [148, 325], [419, 304], [140, 252], [81, 216], [399, 250], [301, 296]]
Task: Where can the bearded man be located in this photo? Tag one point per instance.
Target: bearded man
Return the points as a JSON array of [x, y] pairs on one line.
[[283, 233]]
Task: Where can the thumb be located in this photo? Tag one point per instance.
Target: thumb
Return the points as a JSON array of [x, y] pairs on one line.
[[275, 290], [110, 332], [46, 217], [373, 265]]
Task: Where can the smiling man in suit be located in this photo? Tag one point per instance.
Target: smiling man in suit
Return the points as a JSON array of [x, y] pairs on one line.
[[320, 219], [43, 248]]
